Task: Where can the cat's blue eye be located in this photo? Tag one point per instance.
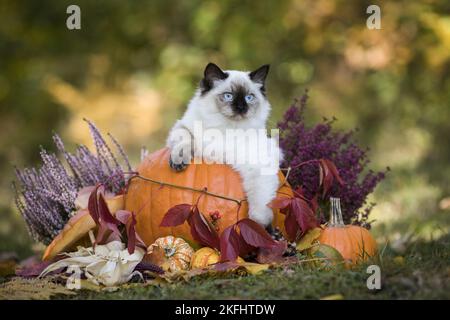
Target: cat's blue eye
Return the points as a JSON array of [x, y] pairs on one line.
[[249, 98], [227, 97]]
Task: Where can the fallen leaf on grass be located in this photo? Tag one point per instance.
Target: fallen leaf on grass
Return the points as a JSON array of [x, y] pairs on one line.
[[336, 296], [307, 241], [273, 254], [255, 268]]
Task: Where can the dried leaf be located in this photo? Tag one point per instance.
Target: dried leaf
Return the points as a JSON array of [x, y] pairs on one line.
[[255, 268], [273, 254], [249, 267], [336, 296], [307, 241]]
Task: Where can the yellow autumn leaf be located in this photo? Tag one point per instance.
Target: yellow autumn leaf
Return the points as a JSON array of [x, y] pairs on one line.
[[307, 241], [336, 296], [254, 268]]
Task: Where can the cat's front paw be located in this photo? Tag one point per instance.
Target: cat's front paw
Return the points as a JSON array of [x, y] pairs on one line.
[[177, 166]]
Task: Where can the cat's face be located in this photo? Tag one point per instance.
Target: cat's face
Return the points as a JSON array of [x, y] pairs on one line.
[[237, 95]]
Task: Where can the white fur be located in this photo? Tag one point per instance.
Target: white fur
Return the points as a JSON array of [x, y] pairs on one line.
[[260, 188]]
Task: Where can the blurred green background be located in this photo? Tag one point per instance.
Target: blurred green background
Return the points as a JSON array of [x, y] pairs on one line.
[[135, 64]]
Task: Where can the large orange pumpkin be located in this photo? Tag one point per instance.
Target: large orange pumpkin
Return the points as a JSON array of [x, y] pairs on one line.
[[354, 243], [151, 201]]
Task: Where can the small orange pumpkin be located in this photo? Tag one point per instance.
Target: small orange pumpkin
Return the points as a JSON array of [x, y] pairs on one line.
[[170, 253], [151, 200], [354, 243]]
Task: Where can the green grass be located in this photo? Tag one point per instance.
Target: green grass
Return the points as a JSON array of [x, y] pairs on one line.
[[424, 274]]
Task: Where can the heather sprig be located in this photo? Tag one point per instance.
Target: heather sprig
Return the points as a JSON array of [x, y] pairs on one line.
[[301, 143], [46, 196]]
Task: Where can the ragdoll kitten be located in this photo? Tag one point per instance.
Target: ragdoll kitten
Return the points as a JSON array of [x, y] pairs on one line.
[[231, 100]]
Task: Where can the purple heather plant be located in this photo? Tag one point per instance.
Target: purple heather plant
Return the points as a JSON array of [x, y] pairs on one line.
[[301, 143], [46, 196]]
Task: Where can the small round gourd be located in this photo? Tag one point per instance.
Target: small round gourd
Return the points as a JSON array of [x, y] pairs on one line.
[[170, 253], [204, 257], [354, 243]]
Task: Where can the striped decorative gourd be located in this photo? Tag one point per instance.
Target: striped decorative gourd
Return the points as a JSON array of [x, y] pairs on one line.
[[177, 253]]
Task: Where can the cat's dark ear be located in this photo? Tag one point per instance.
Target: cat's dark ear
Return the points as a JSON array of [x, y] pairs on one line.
[[212, 73], [260, 74]]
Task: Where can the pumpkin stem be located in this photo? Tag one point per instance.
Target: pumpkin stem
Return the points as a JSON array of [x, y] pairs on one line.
[[336, 213]]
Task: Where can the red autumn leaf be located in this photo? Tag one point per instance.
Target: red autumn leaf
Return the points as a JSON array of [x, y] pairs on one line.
[[299, 192], [334, 171], [314, 203], [226, 266], [272, 254], [93, 205], [303, 214], [328, 177], [254, 235], [229, 244], [129, 220], [176, 215], [280, 203], [105, 215], [244, 247], [107, 223], [328, 173], [111, 236], [201, 230], [291, 226]]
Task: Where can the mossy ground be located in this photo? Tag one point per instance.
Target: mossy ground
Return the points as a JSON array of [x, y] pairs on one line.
[[421, 272]]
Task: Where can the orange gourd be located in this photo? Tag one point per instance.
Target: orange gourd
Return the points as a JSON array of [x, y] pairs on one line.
[[170, 253], [204, 257], [151, 200], [354, 243]]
